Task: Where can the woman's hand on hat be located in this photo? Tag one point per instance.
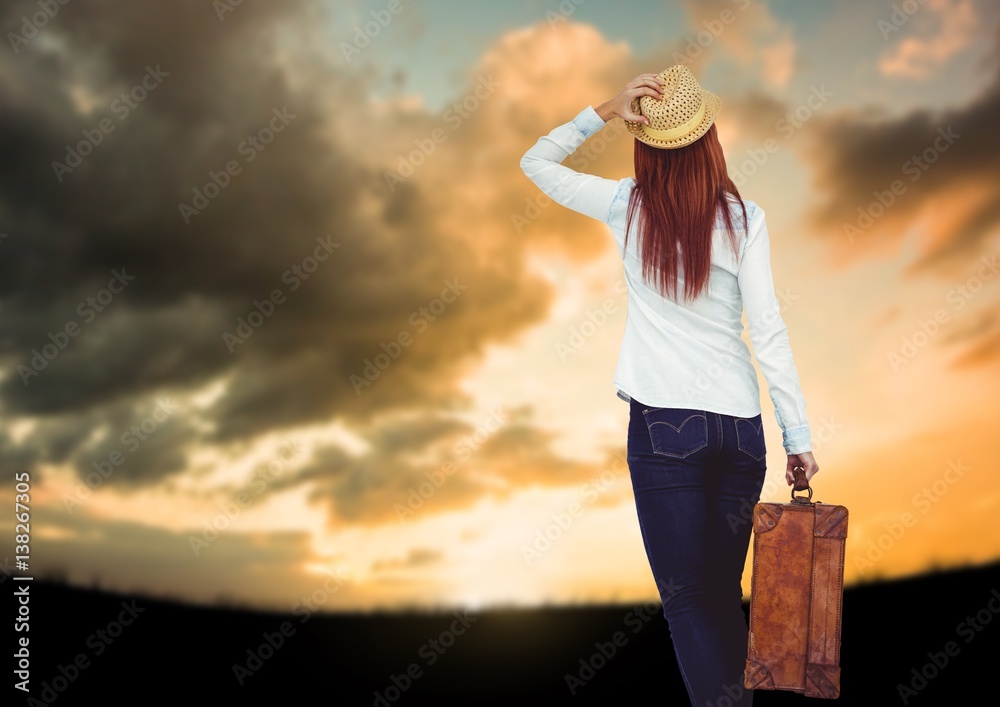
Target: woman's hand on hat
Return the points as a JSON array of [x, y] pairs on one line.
[[621, 105]]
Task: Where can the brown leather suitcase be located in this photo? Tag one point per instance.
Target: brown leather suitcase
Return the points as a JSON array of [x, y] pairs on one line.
[[796, 595]]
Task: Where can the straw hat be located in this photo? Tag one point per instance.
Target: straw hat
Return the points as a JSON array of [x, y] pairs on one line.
[[685, 113]]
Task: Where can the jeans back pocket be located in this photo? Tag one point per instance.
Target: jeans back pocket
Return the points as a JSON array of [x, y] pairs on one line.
[[677, 432], [750, 436]]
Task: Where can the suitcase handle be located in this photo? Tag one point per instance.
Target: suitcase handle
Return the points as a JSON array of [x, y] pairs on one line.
[[801, 484]]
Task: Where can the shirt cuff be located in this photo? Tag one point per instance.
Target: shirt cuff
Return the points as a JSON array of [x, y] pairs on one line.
[[797, 440], [588, 121]]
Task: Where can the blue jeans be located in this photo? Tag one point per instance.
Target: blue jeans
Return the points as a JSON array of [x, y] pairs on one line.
[[696, 476]]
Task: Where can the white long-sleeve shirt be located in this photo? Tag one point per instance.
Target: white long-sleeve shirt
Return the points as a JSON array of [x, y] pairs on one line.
[[676, 354]]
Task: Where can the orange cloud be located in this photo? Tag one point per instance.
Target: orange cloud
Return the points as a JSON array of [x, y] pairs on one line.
[[748, 32], [917, 57]]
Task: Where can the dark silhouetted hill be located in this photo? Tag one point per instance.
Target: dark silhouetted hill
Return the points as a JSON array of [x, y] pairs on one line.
[[938, 634]]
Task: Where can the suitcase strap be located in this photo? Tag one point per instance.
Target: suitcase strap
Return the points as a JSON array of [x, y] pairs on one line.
[[823, 652]]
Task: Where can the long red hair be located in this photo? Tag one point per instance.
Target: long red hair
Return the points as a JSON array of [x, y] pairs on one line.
[[678, 194]]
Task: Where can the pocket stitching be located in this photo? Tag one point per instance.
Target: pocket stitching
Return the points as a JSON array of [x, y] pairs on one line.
[[758, 431], [701, 445]]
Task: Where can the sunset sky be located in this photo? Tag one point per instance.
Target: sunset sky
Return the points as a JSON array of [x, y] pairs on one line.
[[277, 303]]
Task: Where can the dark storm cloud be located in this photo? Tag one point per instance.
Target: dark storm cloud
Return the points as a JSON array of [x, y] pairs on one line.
[[445, 465], [128, 443], [759, 115], [304, 214], [259, 569], [141, 444], [929, 153], [16, 456], [382, 484], [933, 169]]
